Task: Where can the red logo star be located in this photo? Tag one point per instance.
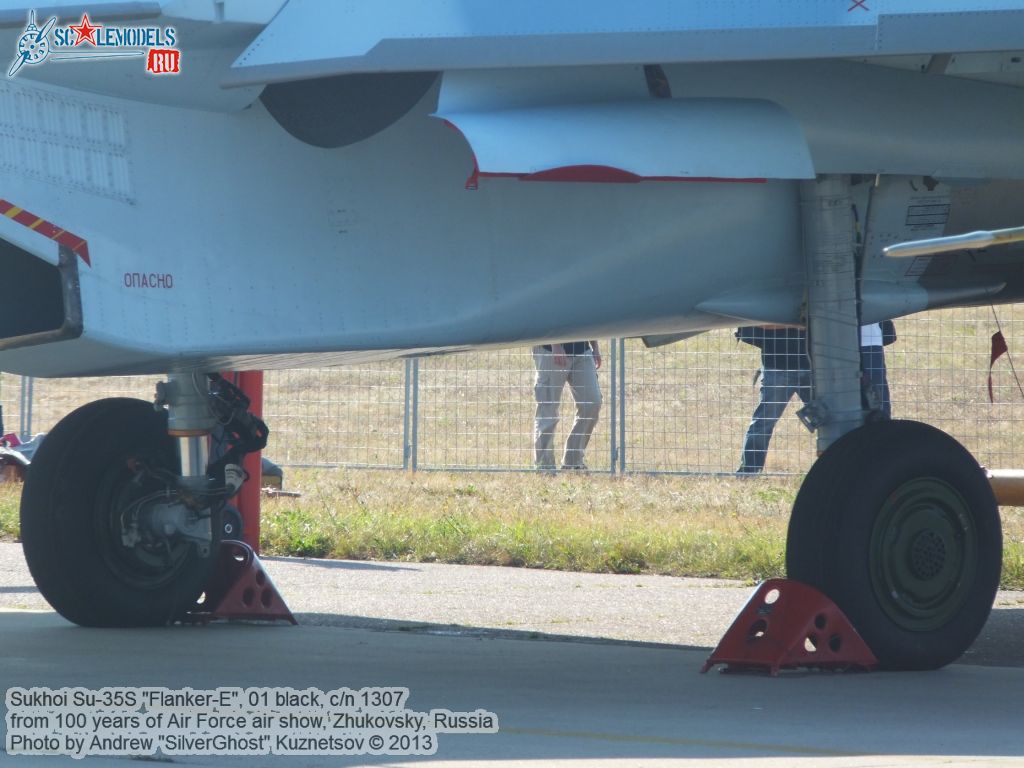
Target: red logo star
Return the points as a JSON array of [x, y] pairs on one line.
[[85, 30]]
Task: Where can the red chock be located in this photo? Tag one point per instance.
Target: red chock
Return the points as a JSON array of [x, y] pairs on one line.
[[240, 589], [788, 624]]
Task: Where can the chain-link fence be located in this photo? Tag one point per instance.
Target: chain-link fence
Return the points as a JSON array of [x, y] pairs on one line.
[[679, 408]]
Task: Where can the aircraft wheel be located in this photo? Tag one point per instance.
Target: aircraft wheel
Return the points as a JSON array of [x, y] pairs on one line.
[[897, 524], [84, 482]]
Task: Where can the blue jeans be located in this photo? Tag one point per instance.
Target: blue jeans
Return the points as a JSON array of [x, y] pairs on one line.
[[777, 388], [872, 365]]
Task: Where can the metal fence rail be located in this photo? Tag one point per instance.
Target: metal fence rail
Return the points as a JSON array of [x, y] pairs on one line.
[[682, 408]]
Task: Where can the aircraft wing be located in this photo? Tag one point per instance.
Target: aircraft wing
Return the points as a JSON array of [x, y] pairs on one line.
[[12, 14], [317, 38], [237, 48]]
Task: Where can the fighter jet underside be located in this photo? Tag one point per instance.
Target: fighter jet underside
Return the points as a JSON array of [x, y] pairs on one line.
[[443, 177]]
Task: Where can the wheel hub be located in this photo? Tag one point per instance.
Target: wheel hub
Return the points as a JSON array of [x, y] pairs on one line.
[[135, 545], [927, 555], [923, 552]]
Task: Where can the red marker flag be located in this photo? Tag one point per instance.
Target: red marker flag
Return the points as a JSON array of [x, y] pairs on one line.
[[999, 348]]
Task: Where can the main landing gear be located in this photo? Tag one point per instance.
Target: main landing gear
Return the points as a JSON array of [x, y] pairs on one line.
[[896, 522], [122, 508]]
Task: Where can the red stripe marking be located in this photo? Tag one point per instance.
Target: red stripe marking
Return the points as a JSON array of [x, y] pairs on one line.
[[47, 229], [76, 244]]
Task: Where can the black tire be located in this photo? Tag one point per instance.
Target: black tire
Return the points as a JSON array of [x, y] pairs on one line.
[[80, 480], [898, 525]]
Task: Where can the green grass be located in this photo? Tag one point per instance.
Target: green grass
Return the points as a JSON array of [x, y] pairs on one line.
[[680, 526], [10, 498], [584, 523]]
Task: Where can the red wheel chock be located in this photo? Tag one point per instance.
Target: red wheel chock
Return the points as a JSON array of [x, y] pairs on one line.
[[787, 624], [240, 589]]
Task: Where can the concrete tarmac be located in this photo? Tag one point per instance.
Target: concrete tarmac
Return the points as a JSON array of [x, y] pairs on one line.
[[581, 671]]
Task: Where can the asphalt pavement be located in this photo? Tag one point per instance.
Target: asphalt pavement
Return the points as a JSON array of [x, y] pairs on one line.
[[578, 669]]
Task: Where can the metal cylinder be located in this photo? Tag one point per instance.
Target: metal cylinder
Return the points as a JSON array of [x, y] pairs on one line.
[[833, 327], [195, 457], [187, 398], [1008, 486]]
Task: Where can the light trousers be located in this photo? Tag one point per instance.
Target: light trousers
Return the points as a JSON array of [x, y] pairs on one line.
[[580, 373]]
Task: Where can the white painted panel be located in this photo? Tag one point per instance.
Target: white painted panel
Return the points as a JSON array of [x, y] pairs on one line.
[[64, 140], [676, 138]]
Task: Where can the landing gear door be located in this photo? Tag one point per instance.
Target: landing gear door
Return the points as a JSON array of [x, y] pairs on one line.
[[904, 208]]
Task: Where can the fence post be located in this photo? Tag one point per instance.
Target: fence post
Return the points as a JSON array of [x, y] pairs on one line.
[[25, 412], [622, 406], [613, 375], [406, 415], [414, 453]]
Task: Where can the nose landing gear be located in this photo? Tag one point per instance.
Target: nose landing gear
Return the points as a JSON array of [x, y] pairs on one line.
[[114, 533]]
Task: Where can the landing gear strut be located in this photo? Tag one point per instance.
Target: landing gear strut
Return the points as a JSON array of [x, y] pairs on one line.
[[114, 532], [895, 522]]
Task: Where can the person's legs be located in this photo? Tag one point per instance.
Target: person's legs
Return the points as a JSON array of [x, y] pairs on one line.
[[587, 393], [872, 364], [775, 395], [547, 390]]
